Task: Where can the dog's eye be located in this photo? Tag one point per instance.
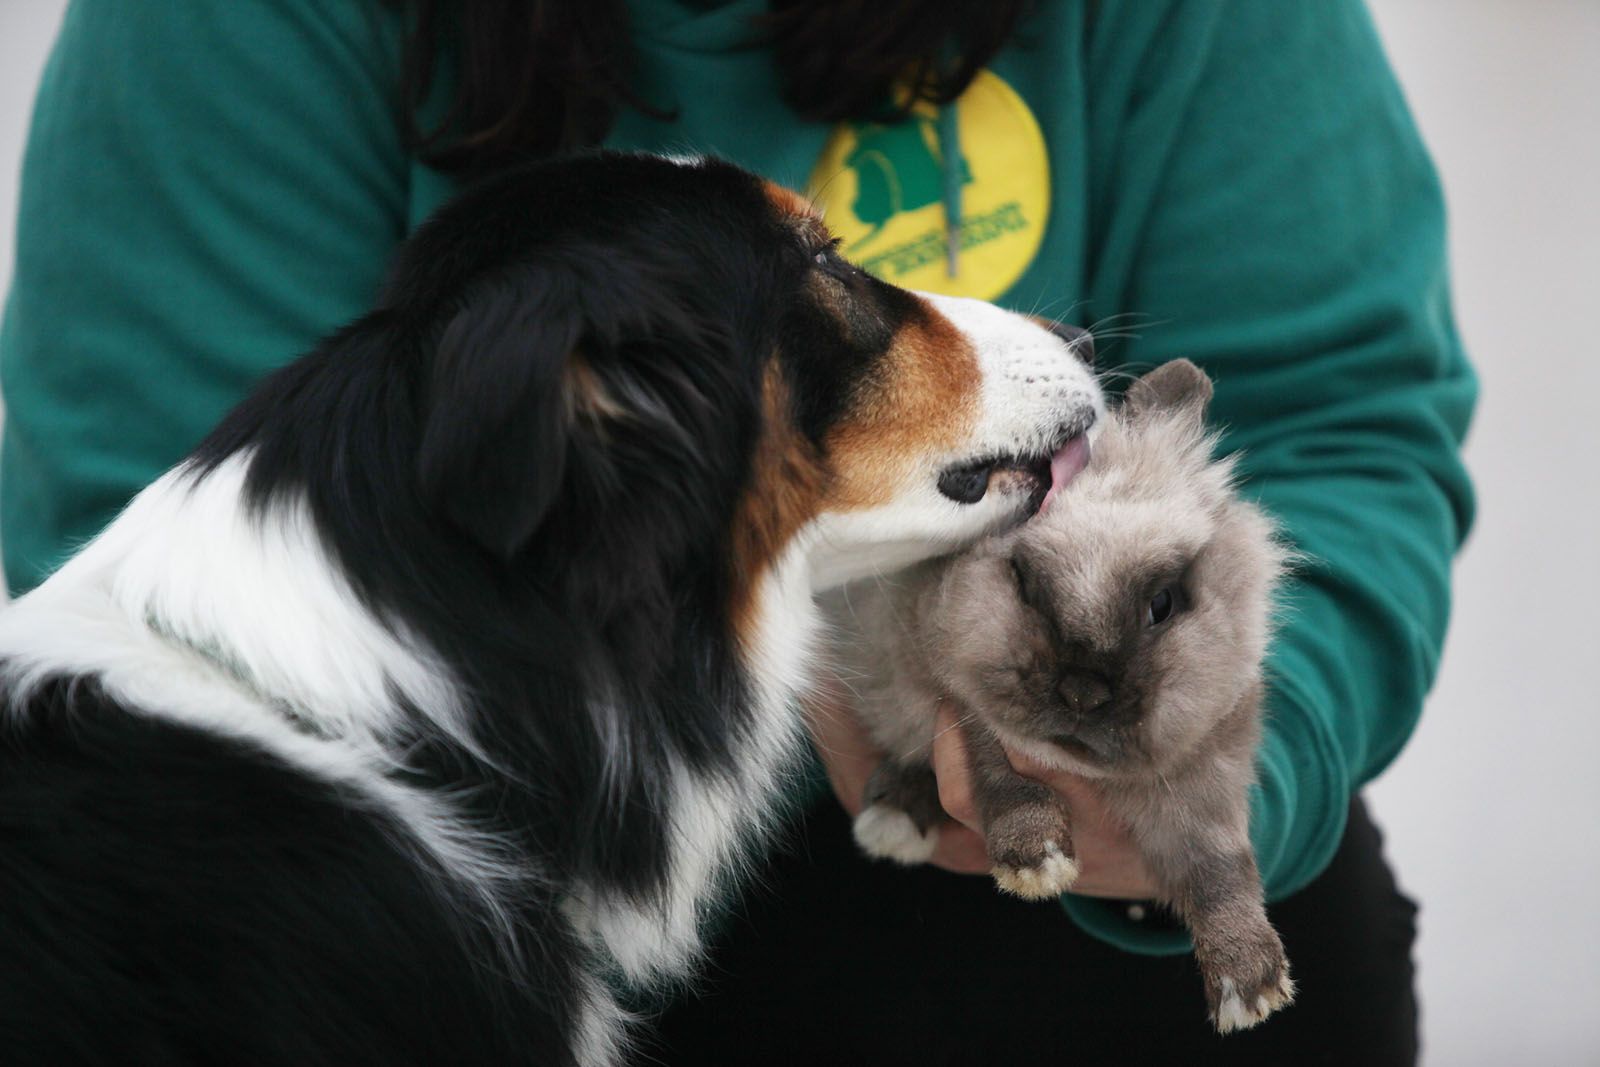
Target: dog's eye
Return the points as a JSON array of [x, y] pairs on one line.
[[828, 254], [1161, 607]]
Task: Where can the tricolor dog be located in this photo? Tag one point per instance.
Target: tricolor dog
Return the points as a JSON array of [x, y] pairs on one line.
[[428, 700]]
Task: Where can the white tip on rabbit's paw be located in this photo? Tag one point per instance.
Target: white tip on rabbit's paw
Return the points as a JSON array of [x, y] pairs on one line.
[[1240, 1011], [890, 834], [1051, 877]]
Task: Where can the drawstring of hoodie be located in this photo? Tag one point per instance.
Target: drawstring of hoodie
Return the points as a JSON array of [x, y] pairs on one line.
[[949, 133]]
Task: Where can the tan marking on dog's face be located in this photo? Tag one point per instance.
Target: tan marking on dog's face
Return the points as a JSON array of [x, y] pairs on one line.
[[921, 400], [921, 397], [791, 205], [787, 482], [797, 212]]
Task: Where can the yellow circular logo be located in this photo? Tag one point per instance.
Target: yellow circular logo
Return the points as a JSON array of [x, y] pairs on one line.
[[888, 191]]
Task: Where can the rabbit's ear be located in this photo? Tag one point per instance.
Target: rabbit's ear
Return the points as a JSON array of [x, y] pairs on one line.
[[1178, 387]]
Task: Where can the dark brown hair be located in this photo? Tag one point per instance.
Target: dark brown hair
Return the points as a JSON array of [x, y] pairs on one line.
[[542, 76]]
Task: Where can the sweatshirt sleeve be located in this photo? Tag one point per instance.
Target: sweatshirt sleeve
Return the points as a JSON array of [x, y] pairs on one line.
[[1265, 207], [207, 189]]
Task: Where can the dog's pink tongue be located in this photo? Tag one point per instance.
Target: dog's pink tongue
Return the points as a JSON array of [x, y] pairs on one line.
[[1066, 465]]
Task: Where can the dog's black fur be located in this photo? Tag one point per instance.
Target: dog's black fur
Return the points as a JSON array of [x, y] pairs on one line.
[[169, 897]]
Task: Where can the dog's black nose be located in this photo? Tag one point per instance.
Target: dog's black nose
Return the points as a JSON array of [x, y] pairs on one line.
[[1079, 339], [966, 485]]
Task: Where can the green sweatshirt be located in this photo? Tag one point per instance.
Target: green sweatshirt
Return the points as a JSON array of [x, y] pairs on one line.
[[208, 188]]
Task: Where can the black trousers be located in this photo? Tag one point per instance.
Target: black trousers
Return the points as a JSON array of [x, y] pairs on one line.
[[836, 959]]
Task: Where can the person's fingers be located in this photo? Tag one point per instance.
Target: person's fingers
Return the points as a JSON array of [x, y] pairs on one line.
[[846, 748], [950, 768], [850, 756], [960, 850], [1082, 795], [1110, 865]]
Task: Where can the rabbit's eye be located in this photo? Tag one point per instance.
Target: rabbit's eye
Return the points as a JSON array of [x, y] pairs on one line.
[[1024, 586], [1160, 608]]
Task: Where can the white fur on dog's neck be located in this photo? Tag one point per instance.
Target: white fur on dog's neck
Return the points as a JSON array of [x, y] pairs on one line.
[[191, 607], [260, 592], [715, 819]]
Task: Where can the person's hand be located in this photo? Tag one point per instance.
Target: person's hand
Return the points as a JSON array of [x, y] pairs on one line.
[[1110, 865], [850, 756]]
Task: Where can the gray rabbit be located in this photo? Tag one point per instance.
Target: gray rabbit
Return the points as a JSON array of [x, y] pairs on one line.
[[1119, 635]]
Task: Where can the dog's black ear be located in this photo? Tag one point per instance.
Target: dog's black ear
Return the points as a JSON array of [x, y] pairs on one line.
[[1178, 387], [497, 415]]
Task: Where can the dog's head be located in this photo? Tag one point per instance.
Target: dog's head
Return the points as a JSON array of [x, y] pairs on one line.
[[631, 357], [628, 342]]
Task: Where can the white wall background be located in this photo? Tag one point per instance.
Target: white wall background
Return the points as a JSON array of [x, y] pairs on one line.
[[1493, 812], [26, 30]]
